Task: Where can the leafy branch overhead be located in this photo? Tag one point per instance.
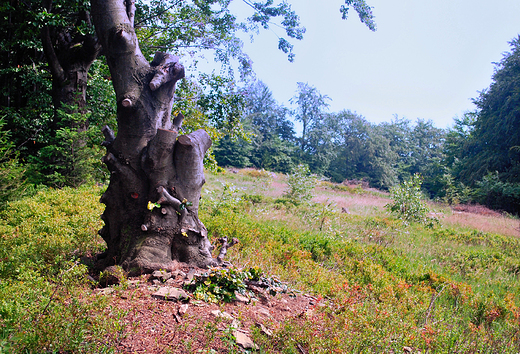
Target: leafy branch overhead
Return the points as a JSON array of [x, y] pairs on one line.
[[364, 11]]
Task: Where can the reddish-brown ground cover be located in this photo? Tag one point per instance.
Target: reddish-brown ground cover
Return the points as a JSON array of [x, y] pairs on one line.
[[157, 326]]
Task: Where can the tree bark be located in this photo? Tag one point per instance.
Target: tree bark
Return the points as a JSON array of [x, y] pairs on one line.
[[151, 215], [69, 58]]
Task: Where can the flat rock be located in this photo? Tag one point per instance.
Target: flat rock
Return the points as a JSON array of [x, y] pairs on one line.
[[244, 341], [161, 275], [192, 274], [263, 311], [265, 330], [241, 298], [105, 291], [171, 294], [133, 284]]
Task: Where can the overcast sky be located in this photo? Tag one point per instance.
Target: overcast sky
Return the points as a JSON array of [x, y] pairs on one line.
[[427, 59]]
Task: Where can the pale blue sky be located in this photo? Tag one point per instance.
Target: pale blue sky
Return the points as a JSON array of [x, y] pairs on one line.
[[426, 60]]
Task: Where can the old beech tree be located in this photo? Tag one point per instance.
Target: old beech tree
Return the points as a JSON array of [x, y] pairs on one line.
[[151, 215]]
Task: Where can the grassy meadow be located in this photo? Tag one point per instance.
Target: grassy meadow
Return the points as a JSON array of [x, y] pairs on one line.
[[391, 286]]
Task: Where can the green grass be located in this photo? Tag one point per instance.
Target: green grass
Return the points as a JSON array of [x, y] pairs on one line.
[[46, 304], [391, 284], [388, 284]]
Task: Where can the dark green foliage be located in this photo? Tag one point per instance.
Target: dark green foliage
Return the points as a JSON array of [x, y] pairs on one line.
[[310, 110], [272, 137], [269, 144], [69, 156], [495, 134], [320, 246], [223, 284], [497, 194], [362, 151], [58, 140], [253, 198], [481, 150], [232, 153], [218, 285], [11, 172]]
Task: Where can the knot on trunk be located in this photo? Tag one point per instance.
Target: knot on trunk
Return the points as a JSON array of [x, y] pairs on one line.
[[167, 69]]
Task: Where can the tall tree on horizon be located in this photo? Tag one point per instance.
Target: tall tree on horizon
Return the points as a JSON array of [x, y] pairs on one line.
[[311, 107], [493, 143]]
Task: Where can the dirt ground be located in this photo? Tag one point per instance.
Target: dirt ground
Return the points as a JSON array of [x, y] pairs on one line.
[[153, 325]]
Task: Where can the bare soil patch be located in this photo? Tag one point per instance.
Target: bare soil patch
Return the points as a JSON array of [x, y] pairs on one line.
[[158, 326]]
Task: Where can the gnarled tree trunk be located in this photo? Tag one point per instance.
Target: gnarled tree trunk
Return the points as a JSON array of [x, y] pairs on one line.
[[151, 215]]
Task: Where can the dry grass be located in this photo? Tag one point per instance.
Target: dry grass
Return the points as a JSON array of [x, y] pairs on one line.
[[359, 204], [371, 203], [486, 223]]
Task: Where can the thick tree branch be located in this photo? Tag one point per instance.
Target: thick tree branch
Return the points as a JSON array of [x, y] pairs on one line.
[[177, 122], [55, 67], [168, 69], [166, 199], [130, 10], [109, 136]]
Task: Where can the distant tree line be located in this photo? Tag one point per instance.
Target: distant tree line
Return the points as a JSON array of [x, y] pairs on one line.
[[56, 96], [477, 160]]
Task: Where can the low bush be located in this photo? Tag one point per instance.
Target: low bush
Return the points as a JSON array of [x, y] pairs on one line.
[[300, 185], [408, 202], [46, 302]]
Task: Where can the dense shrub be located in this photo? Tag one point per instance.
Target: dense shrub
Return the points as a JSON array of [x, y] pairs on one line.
[[11, 171], [300, 185], [498, 195], [408, 201], [46, 304]]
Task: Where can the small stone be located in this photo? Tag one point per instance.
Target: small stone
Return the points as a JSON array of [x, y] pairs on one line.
[[241, 298], [161, 275], [224, 315], [183, 309], [132, 284], [191, 274], [265, 330], [235, 324], [244, 341], [263, 311], [171, 294], [105, 291]]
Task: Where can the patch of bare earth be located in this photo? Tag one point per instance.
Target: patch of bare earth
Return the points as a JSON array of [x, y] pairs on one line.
[[154, 325]]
